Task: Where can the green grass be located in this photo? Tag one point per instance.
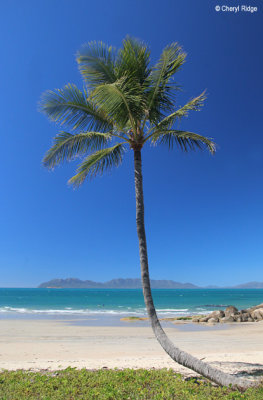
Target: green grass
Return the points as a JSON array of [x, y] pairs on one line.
[[72, 384]]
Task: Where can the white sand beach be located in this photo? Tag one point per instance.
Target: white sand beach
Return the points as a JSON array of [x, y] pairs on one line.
[[54, 344]]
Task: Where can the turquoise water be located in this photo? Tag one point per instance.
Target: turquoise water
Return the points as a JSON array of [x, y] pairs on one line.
[[171, 302]]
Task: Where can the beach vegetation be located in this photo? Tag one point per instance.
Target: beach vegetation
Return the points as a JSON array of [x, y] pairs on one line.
[[127, 104], [106, 384]]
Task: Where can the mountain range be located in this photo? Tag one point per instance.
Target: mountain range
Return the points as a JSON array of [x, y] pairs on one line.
[[129, 283]]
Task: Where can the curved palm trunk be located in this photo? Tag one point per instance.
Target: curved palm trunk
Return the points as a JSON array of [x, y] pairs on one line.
[[176, 354]]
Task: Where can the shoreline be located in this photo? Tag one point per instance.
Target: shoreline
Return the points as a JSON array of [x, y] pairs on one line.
[[50, 344], [106, 320]]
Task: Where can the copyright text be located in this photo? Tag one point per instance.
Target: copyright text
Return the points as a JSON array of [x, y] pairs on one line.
[[236, 9]]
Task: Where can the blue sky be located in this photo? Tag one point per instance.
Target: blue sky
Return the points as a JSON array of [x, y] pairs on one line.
[[203, 214]]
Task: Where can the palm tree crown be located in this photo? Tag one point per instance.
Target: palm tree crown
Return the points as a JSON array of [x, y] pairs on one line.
[[125, 103]]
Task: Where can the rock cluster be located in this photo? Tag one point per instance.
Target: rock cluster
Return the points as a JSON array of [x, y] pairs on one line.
[[231, 314]]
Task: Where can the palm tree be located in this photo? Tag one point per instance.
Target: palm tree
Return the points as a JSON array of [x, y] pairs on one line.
[[126, 103]]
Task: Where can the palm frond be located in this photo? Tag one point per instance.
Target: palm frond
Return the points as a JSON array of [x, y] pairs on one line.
[[160, 93], [133, 60], [67, 146], [184, 140], [172, 58], [121, 101], [97, 163], [193, 105], [70, 107], [96, 63]]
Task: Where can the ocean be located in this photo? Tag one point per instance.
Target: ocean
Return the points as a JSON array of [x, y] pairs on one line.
[[121, 302]]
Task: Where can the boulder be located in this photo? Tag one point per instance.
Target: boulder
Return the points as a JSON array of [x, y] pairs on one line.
[[245, 316], [243, 311], [232, 314], [217, 314], [231, 310], [257, 314], [255, 307], [236, 317]]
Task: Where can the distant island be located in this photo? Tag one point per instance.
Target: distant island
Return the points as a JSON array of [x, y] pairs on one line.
[[129, 283]]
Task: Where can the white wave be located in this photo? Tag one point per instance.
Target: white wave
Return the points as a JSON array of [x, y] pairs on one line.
[[171, 309], [67, 311], [102, 311]]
